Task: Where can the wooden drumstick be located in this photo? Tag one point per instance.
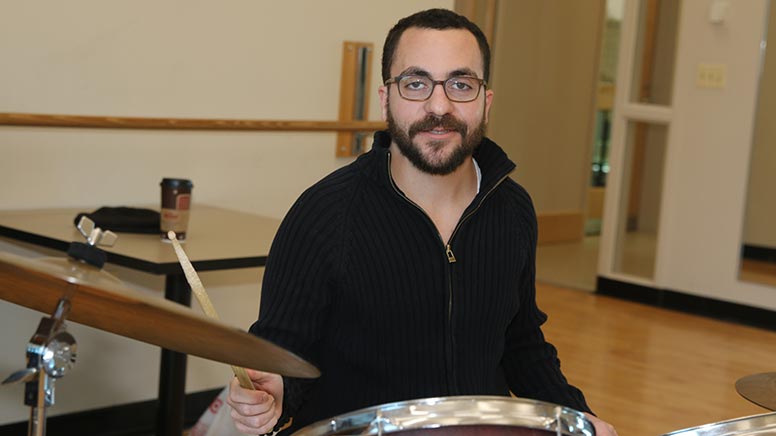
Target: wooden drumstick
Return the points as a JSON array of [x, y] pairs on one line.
[[204, 300]]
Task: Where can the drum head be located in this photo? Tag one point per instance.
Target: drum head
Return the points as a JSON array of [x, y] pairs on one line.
[[458, 416], [756, 425]]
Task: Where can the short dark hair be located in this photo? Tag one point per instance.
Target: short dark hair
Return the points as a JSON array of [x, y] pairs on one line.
[[439, 19]]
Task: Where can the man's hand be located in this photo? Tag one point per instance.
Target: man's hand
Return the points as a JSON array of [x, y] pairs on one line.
[[601, 428], [257, 412]]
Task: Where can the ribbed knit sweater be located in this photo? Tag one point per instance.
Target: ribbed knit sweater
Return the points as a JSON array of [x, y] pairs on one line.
[[360, 283]]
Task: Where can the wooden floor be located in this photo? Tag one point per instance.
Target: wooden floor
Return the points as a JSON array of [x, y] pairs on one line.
[[758, 271], [650, 371]]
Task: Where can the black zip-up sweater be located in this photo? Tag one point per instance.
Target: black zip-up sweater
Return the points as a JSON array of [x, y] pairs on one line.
[[359, 282]]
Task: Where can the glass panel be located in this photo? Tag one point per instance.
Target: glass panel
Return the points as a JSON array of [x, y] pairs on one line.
[[758, 250], [607, 73], [635, 249], [653, 63], [600, 165]]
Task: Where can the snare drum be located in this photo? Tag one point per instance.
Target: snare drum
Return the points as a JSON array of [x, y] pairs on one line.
[[458, 416], [756, 425]]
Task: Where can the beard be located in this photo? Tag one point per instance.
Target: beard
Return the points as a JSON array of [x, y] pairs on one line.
[[404, 140]]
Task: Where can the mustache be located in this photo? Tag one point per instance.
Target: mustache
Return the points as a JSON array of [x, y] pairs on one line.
[[446, 121]]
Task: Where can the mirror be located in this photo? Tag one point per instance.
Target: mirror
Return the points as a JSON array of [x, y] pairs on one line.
[[758, 250]]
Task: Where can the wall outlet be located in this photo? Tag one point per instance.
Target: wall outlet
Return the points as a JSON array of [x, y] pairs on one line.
[[711, 75]]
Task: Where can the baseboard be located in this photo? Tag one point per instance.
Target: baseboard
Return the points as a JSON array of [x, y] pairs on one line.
[[758, 252], [561, 226], [693, 304], [131, 419]]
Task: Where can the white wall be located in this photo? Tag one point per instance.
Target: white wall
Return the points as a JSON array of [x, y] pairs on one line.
[[707, 159], [233, 59]]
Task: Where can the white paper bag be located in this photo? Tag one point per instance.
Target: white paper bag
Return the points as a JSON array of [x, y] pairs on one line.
[[216, 420]]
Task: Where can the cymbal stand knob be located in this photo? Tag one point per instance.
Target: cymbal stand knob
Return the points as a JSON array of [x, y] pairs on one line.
[[58, 356], [95, 236]]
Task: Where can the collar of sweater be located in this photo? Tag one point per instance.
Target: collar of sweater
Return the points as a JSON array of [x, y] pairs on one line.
[[493, 161]]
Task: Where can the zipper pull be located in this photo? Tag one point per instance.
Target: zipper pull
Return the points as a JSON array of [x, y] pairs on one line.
[[450, 255]]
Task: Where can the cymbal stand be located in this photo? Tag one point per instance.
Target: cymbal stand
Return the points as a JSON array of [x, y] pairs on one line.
[[51, 354], [51, 351]]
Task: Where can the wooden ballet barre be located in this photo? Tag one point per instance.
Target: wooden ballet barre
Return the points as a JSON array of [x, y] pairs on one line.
[[102, 122]]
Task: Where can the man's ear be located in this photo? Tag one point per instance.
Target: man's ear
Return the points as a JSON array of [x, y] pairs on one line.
[[488, 102], [382, 92]]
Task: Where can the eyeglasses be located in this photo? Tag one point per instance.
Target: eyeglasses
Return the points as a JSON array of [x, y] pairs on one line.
[[460, 89]]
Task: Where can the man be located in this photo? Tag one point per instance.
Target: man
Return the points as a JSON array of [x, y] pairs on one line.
[[410, 272]]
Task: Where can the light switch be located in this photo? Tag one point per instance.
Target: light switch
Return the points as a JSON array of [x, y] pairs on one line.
[[711, 75], [718, 11]]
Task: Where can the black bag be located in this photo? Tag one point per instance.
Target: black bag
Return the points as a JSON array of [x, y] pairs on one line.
[[124, 219]]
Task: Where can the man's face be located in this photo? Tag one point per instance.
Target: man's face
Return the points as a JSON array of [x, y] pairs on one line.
[[436, 135]]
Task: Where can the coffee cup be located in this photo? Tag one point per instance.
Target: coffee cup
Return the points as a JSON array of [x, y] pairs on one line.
[[176, 204]]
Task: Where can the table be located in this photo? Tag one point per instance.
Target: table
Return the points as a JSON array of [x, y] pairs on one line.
[[216, 239]]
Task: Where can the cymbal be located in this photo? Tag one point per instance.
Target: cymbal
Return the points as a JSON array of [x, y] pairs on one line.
[[759, 389], [98, 299]]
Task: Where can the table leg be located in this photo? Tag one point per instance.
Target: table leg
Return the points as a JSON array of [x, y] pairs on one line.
[[172, 372]]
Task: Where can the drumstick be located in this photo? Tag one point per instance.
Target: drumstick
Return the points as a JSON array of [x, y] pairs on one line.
[[204, 300]]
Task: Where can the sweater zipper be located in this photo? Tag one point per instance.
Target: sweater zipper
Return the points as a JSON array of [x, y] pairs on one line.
[[450, 260], [449, 251], [450, 343]]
